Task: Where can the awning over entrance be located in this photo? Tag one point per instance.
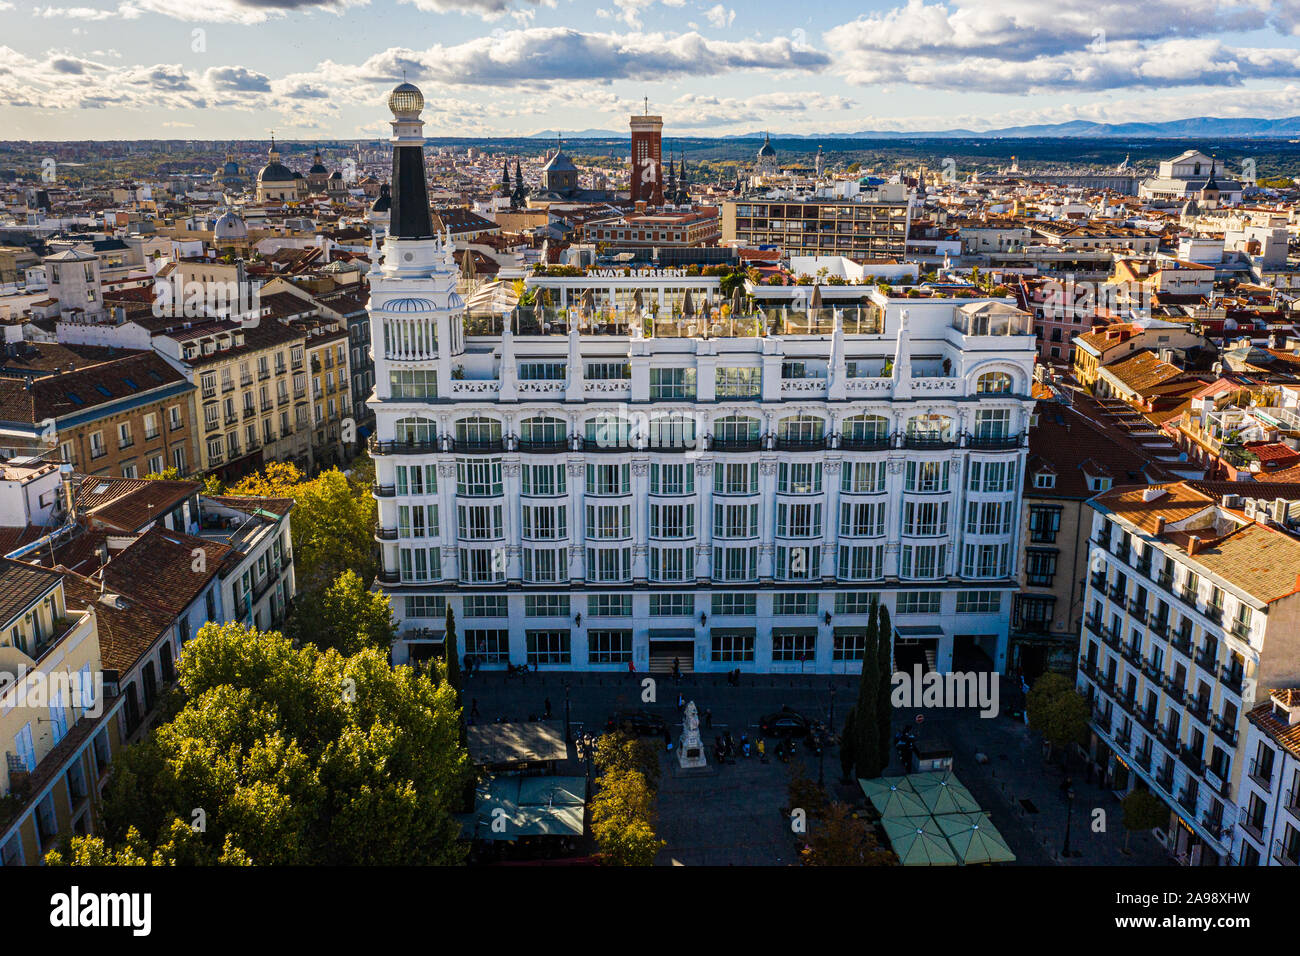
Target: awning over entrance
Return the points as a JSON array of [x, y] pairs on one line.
[[919, 630], [671, 633]]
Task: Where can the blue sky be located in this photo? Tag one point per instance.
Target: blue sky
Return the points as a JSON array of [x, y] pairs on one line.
[[109, 69]]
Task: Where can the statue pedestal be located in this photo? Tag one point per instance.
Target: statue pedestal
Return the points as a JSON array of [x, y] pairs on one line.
[[690, 748]]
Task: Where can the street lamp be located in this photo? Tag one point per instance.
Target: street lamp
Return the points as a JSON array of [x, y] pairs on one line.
[[1069, 812]]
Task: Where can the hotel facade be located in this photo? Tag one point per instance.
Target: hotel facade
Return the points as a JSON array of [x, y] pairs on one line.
[[598, 485]]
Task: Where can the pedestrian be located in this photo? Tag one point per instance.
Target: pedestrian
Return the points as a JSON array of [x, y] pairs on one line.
[[668, 740], [708, 718], [677, 671], [631, 668], [473, 711], [681, 704]]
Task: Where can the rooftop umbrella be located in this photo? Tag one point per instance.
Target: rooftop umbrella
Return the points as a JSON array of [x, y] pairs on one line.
[[974, 838], [737, 302], [946, 796], [816, 302], [898, 800], [918, 841], [883, 784], [688, 304]]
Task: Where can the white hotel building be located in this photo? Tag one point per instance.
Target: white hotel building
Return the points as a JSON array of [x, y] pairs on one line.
[[596, 487]]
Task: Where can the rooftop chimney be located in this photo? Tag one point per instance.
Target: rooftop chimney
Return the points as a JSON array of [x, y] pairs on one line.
[[1193, 545], [1160, 524]]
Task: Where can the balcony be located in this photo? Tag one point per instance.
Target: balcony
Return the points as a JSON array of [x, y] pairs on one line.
[[1291, 804], [384, 491], [1287, 854], [1099, 580], [1215, 614], [1165, 779], [538, 447], [385, 534], [802, 444], [1152, 670], [1187, 800], [1231, 678], [1262, 775], [1165, 580], [735, 444], [1123, 738], [1118, 593], [1182, 642], [403, 447], [1143, 759], [1137, 610], [877, 443], [1159, 627], [1241, 630], [1132, 653], [922, 443], [479, 446], [1191, 760], [994, 442], [1199, 707], [1224, 731]]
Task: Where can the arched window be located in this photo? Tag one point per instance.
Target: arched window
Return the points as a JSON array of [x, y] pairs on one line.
[[997, 383], [672, 431], [478, 431], [544, 430], [735, 429], [410, 430], [607, 431], [801, 428], [864, 430], [934, 429]]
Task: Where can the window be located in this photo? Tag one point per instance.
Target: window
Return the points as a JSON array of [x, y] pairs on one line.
[[796, 602], [794, 645], [848, 643], [544, 431], [991, 476], [546, 565], [417, 384], [482, 565], [922, 562], [1044, 479], [986, 561], [609, 564], [676, 479], [609, 480], [926, 476], [862, 519], [672, 431], [733, 478], [732, 646], [489, 646], [542, 371], [925, 519], [609, 647], [479, 522], [478, 431], [672, 564], [799, 478], [478, 477], [672, 605], [484, 605], [1040, 567], [861, 562], [1044, 524], [862, 477], [672, 383], [609, 522], [546, 605], [992, 424], [608, 431], [543, 481], [426, 605], [414, 430], [799, 520], [798, 563], [735, 604], [929, 429], [672, 521], [997, 383], [608, 370], [544, 522], [917, 602], [801, 429], [853, 602], [610, 605], [733, 382], [735, 429], [988, 517], [979, 602], [864, 429]]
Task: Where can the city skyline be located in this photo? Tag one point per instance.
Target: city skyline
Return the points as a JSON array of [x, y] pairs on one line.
[[127, 69]]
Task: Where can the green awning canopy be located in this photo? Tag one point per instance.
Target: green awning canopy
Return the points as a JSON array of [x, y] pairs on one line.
[[974, 838], [918, 841], [507, 808], [943, 793], [893, 799]]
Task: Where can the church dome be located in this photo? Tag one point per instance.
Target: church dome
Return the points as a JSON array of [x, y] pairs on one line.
[[229, 227], [383, 202], [317, 167], [275, 172], [767, 149], [559, 163]]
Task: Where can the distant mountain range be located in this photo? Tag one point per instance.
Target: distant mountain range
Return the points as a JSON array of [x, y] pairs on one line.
[[1191, 128]]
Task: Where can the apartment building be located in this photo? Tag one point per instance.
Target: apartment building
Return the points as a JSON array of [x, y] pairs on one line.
[[1192, 607], [694, 227], [252, 403], [58, 722], [857, 228], [128, 415], [331, 385], [592, 493]]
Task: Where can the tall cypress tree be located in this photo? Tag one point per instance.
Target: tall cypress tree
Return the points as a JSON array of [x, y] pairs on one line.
[[885, 668], [452, 653], [867, 737]]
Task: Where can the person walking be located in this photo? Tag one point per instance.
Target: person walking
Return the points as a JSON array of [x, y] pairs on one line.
[[708, 718], [677, 671]]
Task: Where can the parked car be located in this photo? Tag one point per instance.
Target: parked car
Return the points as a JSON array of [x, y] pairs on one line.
[[640, 722], [784, 723]]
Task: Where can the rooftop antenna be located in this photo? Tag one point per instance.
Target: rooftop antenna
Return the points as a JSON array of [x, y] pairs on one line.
[[646, 107]]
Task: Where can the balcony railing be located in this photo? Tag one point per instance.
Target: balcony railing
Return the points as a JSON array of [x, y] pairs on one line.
[[994, 442], [533, 446], [735, 444], [1261, 774], [1286, 853], [1224, 731], [802, 444], [479, 446], [877, 443]]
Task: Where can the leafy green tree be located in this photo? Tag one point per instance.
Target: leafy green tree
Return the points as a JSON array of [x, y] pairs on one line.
[[842, 838], [296, 756], [345, 615], [1143, 810], [1056, 710], [183, 845], [619, 751], [884, 674], [623, 819], [171, 473]]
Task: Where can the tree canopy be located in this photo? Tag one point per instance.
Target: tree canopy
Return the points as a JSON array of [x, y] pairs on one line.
[[344, 615], [284, 755], [1056, 710]]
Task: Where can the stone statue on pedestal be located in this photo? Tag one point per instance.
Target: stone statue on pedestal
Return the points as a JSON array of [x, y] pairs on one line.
[[690, 749]]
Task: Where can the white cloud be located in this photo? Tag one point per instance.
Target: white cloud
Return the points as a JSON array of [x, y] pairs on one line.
[[720, 17]]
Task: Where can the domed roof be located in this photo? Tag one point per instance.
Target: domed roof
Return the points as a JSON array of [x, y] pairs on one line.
[[409, 304], [229, 227], [455, 302], [767, 149], [317, 167], [230, 168], [275, 172], [406, 99], [383, 202]]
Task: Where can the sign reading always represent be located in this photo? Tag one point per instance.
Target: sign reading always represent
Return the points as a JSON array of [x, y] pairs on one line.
[[637, 273]]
